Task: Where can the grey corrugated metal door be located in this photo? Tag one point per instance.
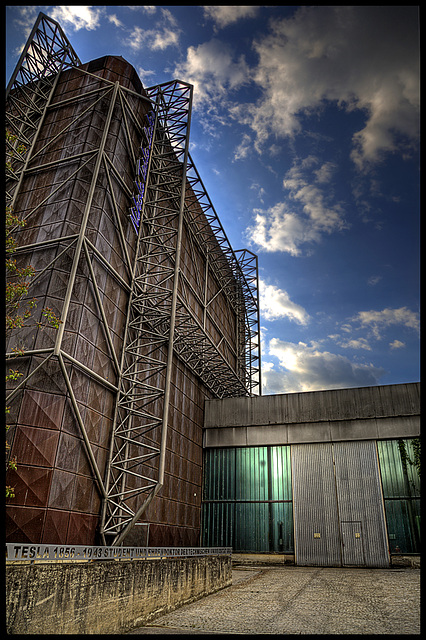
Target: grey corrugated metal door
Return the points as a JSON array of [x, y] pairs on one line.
[[338, 506], [316, 529], [360, 499], [352, 544]]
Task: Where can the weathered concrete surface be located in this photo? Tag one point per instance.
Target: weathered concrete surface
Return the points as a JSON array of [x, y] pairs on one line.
[[303, 600], [106, 596], [260, 559]]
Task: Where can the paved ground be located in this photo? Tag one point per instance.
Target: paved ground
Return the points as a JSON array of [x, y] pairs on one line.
[[302, 600]]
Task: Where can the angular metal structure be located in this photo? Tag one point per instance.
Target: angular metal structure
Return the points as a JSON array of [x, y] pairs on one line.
[[155, 305], [46, 53]]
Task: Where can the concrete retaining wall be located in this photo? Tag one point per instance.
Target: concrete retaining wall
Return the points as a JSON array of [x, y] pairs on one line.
[[106, 596]]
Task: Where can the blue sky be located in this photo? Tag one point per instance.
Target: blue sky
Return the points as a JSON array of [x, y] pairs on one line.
[[305, 131]]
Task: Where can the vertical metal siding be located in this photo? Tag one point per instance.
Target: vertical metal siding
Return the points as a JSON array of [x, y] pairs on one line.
[[392, 470], [317, 536], [251, 473], [337, 495], [243, 500], [360, 499], [281, 534], [219, 476], [353, 543], [280, 472], [218, 522], [251, 527], [403, 520], [401, 490]]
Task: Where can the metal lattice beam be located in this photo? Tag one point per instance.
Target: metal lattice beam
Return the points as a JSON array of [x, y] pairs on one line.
[[141, 420], [46, 53], [161, 321]]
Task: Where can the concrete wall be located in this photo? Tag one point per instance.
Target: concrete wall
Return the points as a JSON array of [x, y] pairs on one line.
[[381, 412], [106, 596]]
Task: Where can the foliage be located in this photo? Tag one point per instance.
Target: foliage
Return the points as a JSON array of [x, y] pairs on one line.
[[11, 464], [19, 151], [417, 454], [405, 458], [19, 309]]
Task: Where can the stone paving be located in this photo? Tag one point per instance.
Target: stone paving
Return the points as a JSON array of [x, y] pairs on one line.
[[302, 600]]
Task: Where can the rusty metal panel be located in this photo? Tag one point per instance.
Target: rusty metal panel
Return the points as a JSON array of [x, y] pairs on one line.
[[62, 490], [81, 528], [42, 409], [24, 524], [55, 526], [31, 485], [69, 452], [37, 447]]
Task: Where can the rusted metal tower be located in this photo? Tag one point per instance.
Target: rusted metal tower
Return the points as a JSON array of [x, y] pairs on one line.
[[189, 297]]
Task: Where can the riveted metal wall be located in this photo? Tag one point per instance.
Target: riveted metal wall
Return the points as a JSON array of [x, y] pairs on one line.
[[338, 505]]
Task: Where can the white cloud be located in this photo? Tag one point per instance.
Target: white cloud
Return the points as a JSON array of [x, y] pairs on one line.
[[373, 280], [305, 368], [225, 15], [278, 229], [309, 214], [165, 34], [76, 17], [259, 190], [70, 17], [275, 303], [325, 172], [146, 8], [363, 57], [355, 343], [25, 18], [346, 327], [397, 344], [144, 73], [244, 148], [378, 320], [213, 72], [114, 20]]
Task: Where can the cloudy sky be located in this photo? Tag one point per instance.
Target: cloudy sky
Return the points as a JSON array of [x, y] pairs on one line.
[[305, 131]]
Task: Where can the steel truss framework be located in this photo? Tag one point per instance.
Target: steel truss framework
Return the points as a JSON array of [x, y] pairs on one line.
[[161, 323], [46, 53]]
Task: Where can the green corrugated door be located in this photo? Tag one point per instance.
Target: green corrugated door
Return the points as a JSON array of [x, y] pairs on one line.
[[401, 492], [247, 501]]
